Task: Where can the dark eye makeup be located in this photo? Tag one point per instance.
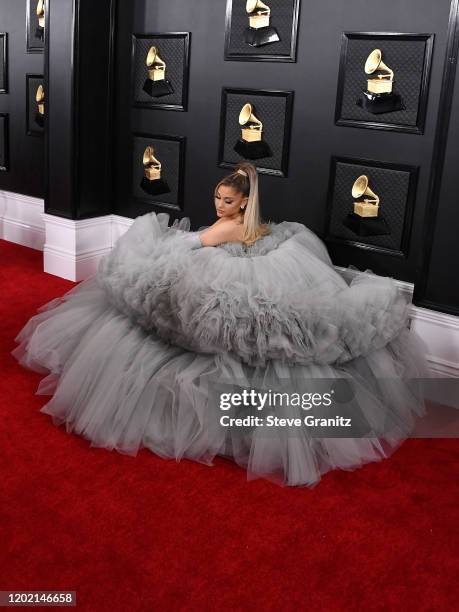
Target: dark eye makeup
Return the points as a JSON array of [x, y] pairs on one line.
[[226, 200]]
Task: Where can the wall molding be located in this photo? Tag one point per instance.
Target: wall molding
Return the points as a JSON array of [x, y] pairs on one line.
[[20, 219], [72, 249]]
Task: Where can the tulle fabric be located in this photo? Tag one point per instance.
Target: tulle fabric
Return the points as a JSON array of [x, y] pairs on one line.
[[279, 299], [118, 377]]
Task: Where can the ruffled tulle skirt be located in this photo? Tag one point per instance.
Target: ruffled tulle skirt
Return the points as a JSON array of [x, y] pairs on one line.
[[122, 387]]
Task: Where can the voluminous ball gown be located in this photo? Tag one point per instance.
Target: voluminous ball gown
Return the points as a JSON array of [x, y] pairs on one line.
[[133, 355]]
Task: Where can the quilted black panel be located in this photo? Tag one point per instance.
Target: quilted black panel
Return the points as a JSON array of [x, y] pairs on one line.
[[282, 12], [168, 153], [392, 187], [171, 51], [404, 57], [271, 111]]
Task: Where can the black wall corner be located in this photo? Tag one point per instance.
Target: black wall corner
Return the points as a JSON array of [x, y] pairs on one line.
[[79, 68]]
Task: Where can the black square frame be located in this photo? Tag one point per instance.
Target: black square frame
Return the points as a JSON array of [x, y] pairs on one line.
[[372, 122], [34, 44], [4, 142], [281, 137], [407, 214], [179, 180], [32, 82], [3, 62], [137, 76], [287, 22]]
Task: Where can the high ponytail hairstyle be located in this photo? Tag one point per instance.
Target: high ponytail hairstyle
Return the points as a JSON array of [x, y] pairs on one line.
[[244, 179]]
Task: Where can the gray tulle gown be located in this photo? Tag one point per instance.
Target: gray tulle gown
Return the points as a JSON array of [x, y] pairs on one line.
[[131, 353]]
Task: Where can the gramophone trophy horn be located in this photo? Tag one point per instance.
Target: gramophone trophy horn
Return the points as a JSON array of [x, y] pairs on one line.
[[254, 126], [40, 100], [40, 10], [156, 66], [365, 219], [251, 145], [156, 84], [259, 13], [369, 205], [41, 13], [383, 82], [151, 164], [379, 96], [152, 183], [259, 32]]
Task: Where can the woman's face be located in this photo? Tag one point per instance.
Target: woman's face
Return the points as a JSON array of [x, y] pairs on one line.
[[228, 201]]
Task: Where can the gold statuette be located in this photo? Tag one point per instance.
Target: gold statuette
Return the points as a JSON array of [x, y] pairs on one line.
[[379, 96], [41, 13], [369, 205], [259, 13], [254, 127], [251, 145], [152, 166], [156, 66], [156, 84], [40, 109], [383, 81], [259, 32], [152, 183], [40, 99]]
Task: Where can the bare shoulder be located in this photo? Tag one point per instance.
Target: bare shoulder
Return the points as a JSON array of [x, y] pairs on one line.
[[226, 231]]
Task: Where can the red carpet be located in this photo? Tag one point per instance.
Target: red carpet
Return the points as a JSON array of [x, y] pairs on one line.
[[144, 533]]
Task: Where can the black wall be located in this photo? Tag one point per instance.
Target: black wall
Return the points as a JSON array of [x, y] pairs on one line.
[[78, 70], [26, 153], [302, 196], [91, 120]]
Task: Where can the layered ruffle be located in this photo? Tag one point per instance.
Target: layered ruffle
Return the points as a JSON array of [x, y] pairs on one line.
[[279, 299]]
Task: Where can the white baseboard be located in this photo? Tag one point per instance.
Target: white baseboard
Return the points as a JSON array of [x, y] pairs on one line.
[[439, 331], [72, 250], [20, 220]]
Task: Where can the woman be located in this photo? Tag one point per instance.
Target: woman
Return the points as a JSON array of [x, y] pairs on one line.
[[182, 339], [237, 206]]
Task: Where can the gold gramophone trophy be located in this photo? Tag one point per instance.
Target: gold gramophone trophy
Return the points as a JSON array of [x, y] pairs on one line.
[[152, 183], [365, 220], [259, 32], [379, 97], [40, 30], [156, 85], [251, 145], [40, 100]]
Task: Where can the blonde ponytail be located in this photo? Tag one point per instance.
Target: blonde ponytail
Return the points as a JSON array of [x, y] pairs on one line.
[[245, 179]]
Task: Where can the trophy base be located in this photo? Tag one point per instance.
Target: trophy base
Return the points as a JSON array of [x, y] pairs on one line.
[[40, 119], [252, 150], [257, 37], [158, 88], [380, 103], [40, 33], [366, 226], [154, 187]]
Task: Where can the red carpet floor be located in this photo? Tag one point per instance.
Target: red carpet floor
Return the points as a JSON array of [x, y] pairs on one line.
[[144, 533]]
